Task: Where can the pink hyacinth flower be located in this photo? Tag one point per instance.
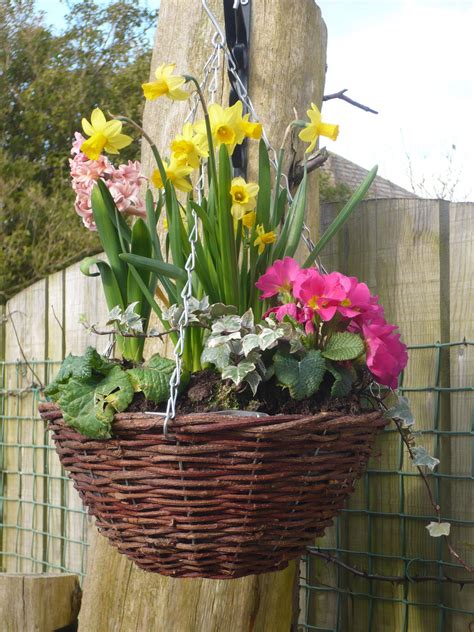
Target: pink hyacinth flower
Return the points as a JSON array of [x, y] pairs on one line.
[[278, 278], [123, 183]]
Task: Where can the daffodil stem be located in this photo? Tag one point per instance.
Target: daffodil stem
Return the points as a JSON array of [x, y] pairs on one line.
[[212, 159], [149, 140]]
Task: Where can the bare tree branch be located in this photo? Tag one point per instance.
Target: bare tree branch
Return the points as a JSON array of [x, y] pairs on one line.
[[394, 579], [342, 95]]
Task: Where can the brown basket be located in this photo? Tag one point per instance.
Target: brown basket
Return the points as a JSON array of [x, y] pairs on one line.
[[222, 497]]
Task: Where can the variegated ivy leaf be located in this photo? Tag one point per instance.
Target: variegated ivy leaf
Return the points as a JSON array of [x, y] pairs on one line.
[[421, 457], [268, 338], [247, 320], [249, 343], [126, 321], [238, 373], [401, 412], [217, 310], [437, 529], [227, 324], [218, 355], [253, 379]]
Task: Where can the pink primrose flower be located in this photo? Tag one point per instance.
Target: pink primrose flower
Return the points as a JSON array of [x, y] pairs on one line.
[[386, 355], [278, 278], [323, 293]]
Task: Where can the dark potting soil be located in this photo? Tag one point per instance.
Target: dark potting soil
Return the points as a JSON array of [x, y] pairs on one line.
[[207, 392]]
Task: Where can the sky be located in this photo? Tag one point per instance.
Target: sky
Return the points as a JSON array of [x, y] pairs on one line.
[[411, 60]]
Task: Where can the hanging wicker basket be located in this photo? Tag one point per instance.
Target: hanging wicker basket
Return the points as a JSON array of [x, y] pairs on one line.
[[223, 496]]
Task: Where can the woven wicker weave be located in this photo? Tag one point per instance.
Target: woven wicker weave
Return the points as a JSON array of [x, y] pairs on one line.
[[223, 496]]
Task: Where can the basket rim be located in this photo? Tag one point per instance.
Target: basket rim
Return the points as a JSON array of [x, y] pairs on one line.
[[206, 422]]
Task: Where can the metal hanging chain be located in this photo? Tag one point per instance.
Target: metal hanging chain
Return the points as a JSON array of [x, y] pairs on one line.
[[211, 81]]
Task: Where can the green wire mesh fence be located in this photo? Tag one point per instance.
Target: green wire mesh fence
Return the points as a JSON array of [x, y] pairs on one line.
[[43, 527], [382, 532]]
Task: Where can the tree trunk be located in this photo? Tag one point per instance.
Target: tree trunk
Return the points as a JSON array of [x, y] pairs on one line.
[[287, 68]]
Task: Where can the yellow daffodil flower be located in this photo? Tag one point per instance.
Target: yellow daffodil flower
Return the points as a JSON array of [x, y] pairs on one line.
[[263, 238], [166, 84], [248, 220], [104, 135], [243, 197], [188, 148], [251, 129], [316, 128], [176, 172], [226, 125]]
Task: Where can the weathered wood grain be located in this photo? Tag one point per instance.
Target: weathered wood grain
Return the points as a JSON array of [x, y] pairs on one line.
[[38, 603]]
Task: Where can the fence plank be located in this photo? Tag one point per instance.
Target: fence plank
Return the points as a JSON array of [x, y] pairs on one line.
[[393, 245], [83, 296], [461, 365], [24, 508], [55, 482]]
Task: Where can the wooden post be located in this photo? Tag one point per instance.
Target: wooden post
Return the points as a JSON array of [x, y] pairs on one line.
[[287, 67], [38, 603]]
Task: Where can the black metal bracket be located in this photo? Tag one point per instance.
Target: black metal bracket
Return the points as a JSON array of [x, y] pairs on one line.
[[237, 32]]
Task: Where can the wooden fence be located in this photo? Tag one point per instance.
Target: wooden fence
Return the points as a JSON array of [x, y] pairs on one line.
[[418, 255]]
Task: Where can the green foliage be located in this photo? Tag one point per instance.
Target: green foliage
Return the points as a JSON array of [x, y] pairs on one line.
[[301, 377], [343, 378], [343, 346], [48, 81], [90, 389], [78, 368], [153, 378], [88, 405]]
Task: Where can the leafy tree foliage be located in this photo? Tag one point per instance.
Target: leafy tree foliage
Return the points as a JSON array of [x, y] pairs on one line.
[[48, 81]]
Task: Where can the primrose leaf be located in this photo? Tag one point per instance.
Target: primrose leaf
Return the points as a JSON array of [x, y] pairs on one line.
[[80, 368], [421, 457], [342, 380], [153, 378], [437, 529], [343, 346], [301, 377], [238, 373], [89, 404], [401, 412]]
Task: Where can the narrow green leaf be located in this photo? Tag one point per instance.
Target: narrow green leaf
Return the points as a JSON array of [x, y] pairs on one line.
[[342, 217], [264, 184], [226, 230], [109, 236], [160, 268], [141, 246]]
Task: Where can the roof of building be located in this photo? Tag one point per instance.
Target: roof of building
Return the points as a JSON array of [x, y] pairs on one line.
[[343, 171]]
